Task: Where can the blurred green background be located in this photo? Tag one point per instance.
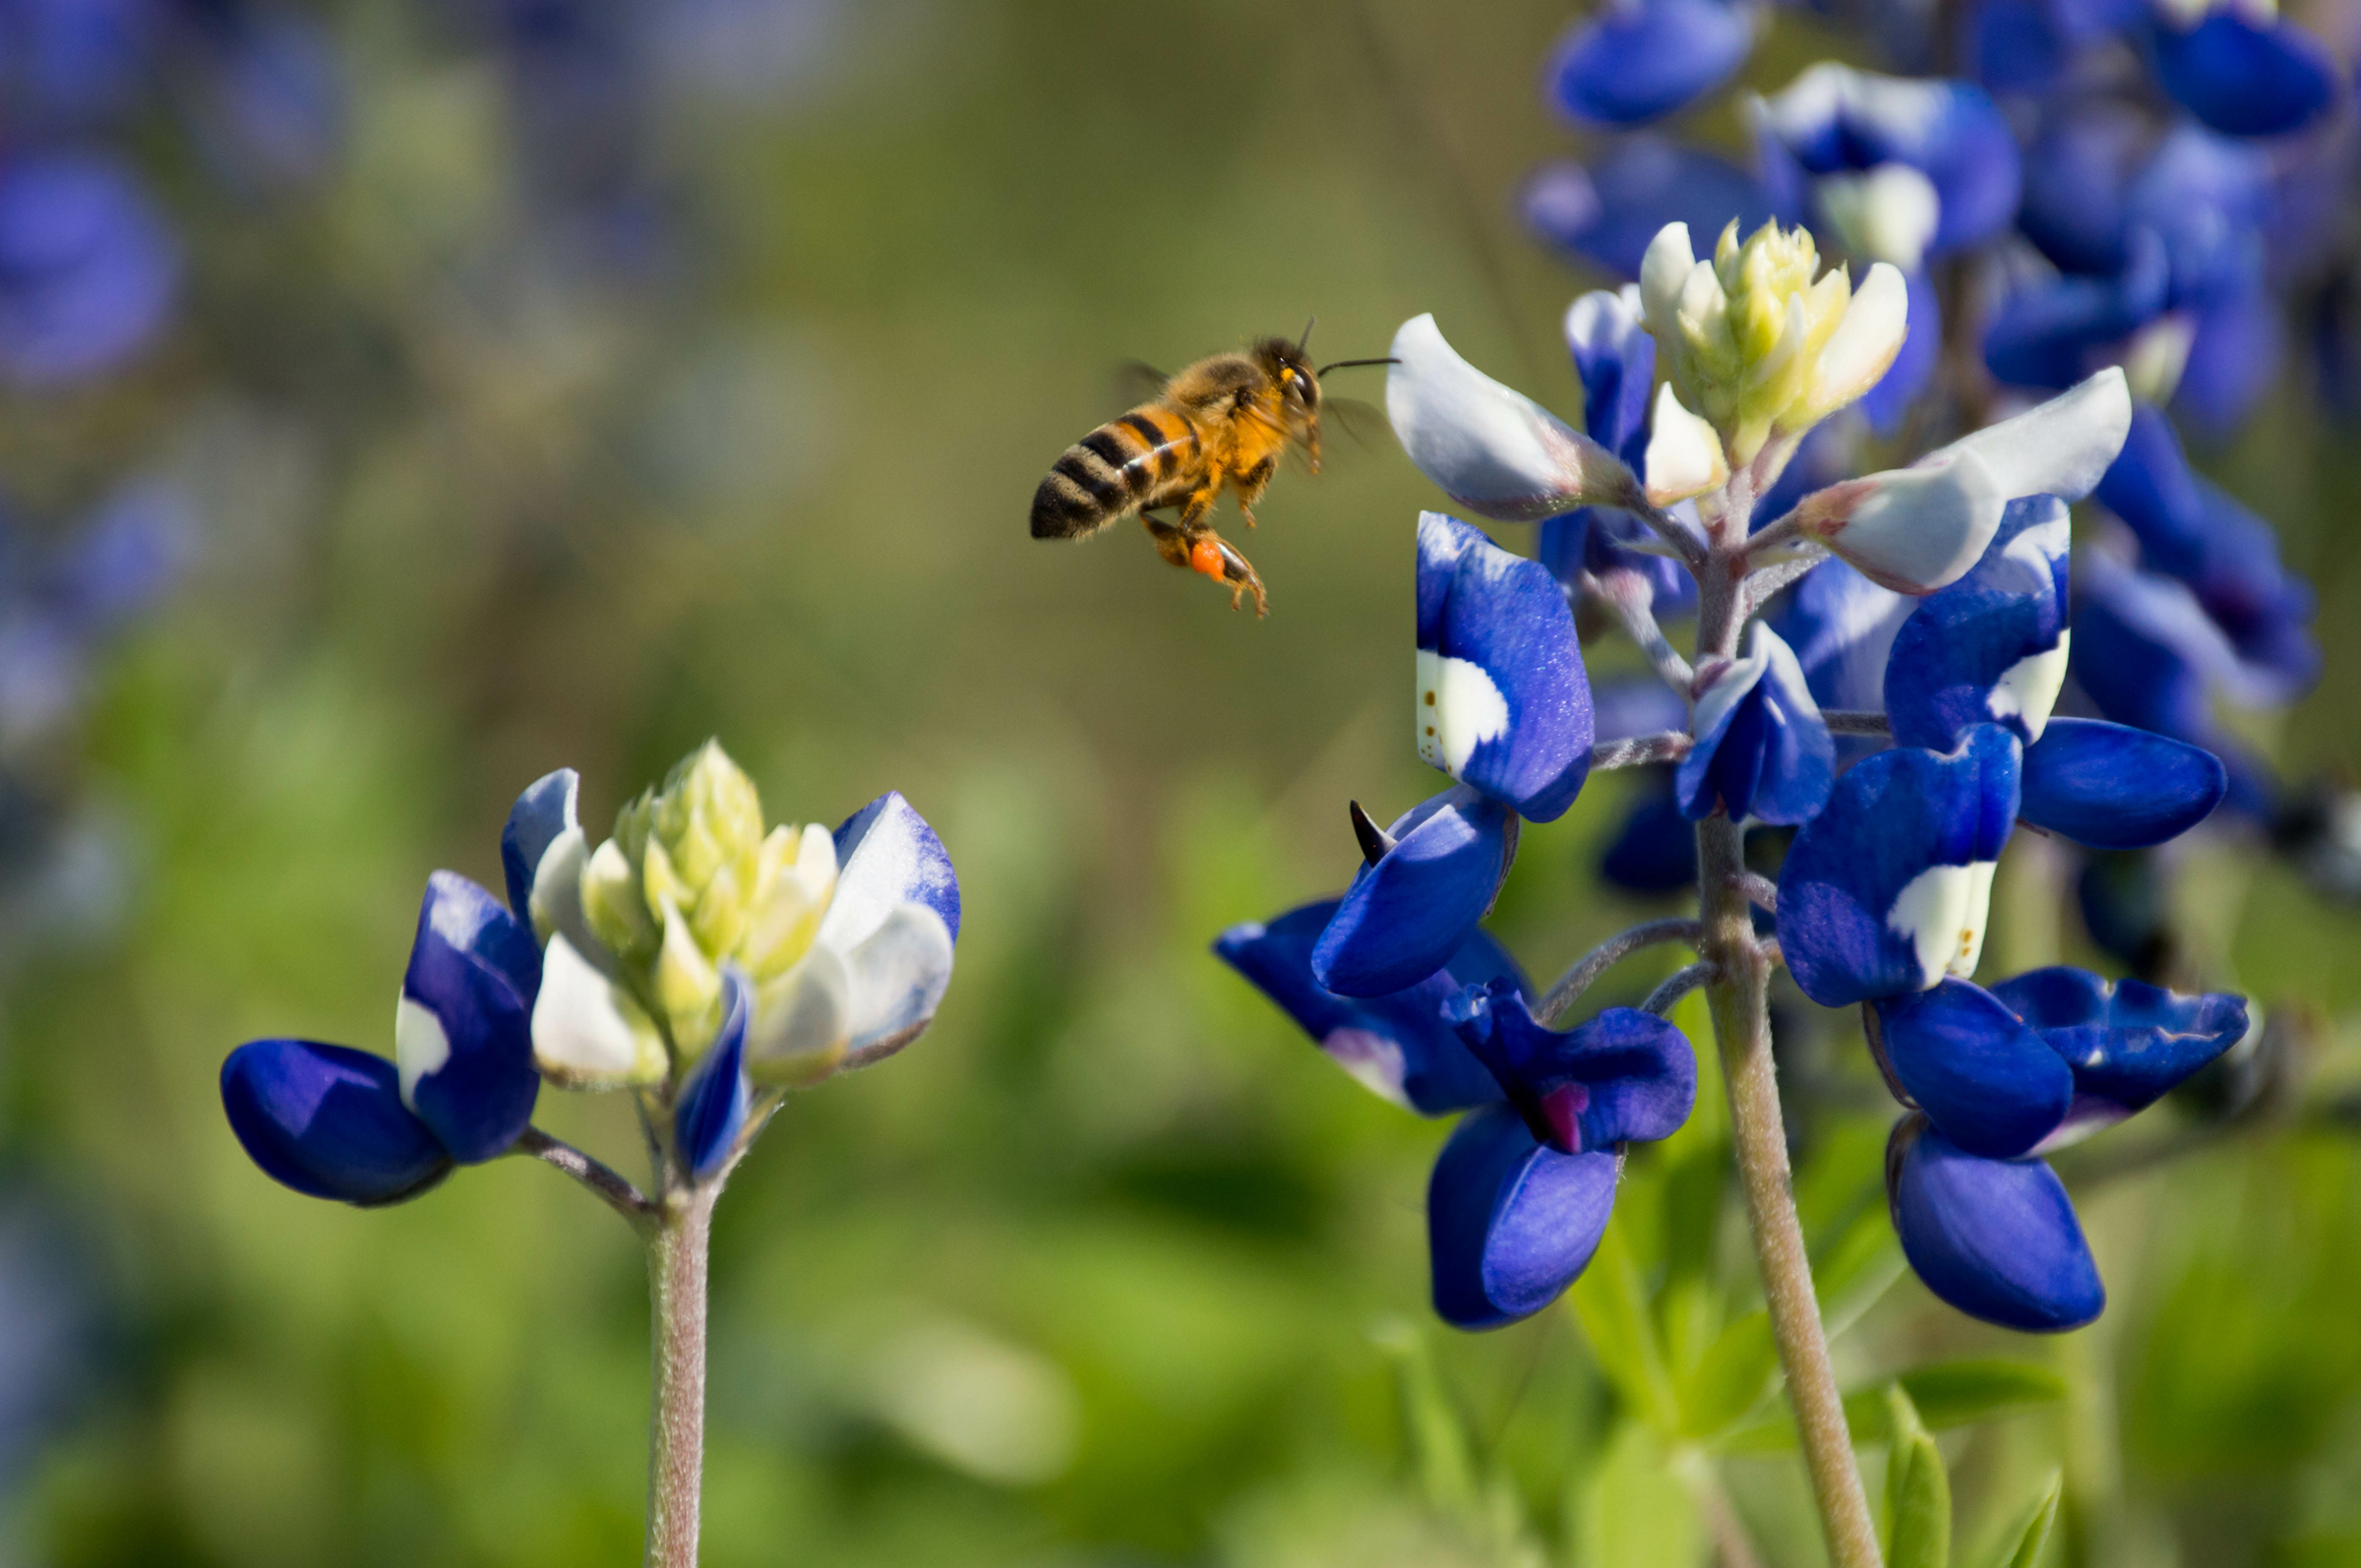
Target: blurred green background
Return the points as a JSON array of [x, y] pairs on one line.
[[1112, 1268]]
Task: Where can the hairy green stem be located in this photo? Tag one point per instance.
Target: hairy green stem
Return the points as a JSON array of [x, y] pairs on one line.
[[1738, 996], [676, 1277]]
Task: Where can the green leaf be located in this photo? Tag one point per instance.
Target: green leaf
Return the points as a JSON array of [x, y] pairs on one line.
[[1948, 1395], [1917, 1491], [1612, 1303], [1634, 1509], [1730, 1378], [2022, 1547]]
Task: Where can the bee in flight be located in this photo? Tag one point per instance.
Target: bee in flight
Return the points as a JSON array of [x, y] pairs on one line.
[[1224, 421]]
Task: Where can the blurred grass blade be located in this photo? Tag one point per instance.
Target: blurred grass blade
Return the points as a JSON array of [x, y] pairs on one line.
[[1917, 1491], [2021, 1547], [1946, 1395]]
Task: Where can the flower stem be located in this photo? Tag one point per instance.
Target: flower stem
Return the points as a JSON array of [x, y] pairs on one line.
[[1739, 997], [676, 1277]]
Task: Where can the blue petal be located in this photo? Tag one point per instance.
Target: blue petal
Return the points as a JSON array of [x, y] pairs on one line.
[[1985, 649], [1623, 1076], [475, 971], [1609, 214], [1963, 1057], [87, 269], [1616, 360], [887, 855], [2127, 1042], [1398, 1046], [1655, 849], [543, 812], [1509, 1223], [1834, 119], [1605, 541], [2017, 45], [1886, 404], [2143, 650], [1407, 915], [715, 1101], [1842, 627], [2207, 198], [2078, 173], [269, 99], [1639, 60], [1996, 1239], [2054, 333], [328, 1121], [2233, 359], [2244, 77], [1624, 707], [1843, 925], [1503, 702], [1762, 749], [2113, 787]]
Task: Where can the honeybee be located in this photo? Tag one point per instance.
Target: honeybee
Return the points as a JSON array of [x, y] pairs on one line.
[[1224, 421]]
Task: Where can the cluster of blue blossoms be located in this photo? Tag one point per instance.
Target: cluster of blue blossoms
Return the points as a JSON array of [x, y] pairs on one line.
[[697, 957], [2158, 186], [1882, 898]]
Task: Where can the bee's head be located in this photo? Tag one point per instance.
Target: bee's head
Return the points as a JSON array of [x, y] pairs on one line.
[[1288, 367]]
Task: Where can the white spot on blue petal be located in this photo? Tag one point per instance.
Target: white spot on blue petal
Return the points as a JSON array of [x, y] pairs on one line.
[[420, 1047], [1460, 707]]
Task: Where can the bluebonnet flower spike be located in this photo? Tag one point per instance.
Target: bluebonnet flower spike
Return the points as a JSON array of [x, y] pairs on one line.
[[1400, 1046], [1511, 1224], [1623, 1076], [1761, 750], [1408, 911], [1504, 701], [1996, 1239]]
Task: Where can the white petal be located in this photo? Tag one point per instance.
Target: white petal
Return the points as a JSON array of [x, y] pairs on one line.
[[1913, 530], [556, 902], [1863, 345], [802, 1020], [1684, 455], [1493, 450], [1888, 214], [898, 978], [1663, 272], [2061, 448], [587, 1030]]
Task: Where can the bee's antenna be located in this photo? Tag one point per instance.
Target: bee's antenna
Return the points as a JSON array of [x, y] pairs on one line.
[[1306, 338], [1348, 364]]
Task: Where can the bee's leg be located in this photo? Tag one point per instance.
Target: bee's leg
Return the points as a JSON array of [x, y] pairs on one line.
[[1172, 542], [1249, 486], [1212, 555]]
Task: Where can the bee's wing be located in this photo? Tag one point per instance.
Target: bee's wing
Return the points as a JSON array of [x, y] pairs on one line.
[[1365, 422], [1135, 381], [1363, 425]]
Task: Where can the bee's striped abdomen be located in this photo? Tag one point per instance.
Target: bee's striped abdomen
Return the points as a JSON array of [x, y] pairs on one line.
[[1112, 470]]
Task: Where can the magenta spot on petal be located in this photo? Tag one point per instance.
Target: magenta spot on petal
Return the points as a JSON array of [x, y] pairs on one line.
[[1562, 1108]]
